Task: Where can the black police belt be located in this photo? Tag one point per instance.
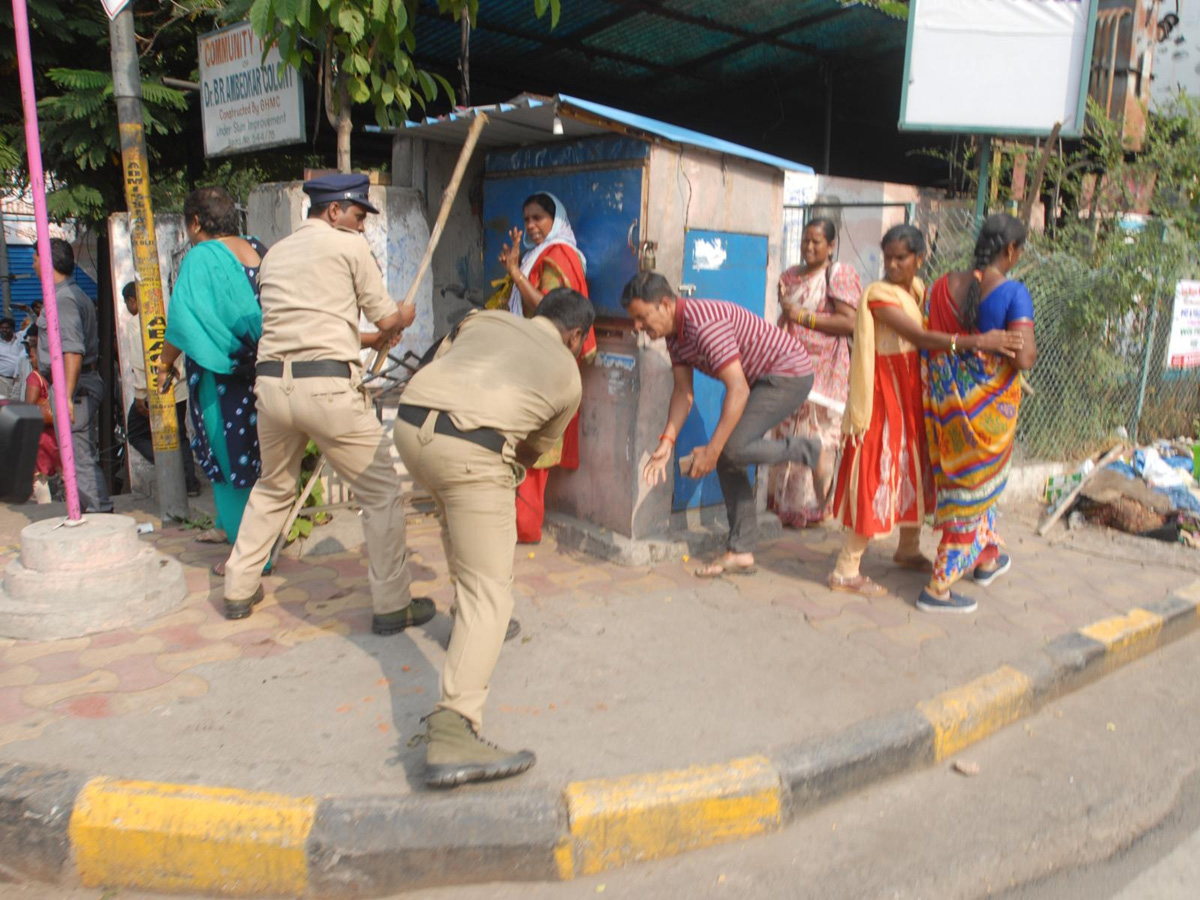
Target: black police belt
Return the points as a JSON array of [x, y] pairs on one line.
[[314, 368], [488, 438]]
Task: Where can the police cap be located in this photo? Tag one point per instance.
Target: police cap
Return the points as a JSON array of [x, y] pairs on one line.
[[343, 188]]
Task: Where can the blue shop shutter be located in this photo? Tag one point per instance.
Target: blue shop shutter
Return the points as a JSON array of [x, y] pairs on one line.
[[26, 287]]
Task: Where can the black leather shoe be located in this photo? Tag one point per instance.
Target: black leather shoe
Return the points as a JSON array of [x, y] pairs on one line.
[[239, 609], [418, 612]]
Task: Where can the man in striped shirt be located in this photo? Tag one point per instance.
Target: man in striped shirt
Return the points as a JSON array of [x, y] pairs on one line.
[[767, 376]]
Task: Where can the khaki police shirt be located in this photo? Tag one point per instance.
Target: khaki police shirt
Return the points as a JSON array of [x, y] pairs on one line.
[[504, 372], [313, 284]]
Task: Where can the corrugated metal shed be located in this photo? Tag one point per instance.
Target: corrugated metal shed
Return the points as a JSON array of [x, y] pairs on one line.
[[671, 47], [529, 120]]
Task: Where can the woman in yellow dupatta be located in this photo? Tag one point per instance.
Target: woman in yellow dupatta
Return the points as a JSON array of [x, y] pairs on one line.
[[884, 479]]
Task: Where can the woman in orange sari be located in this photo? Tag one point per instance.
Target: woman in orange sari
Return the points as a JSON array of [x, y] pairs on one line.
[[553, 261], [884, 480]]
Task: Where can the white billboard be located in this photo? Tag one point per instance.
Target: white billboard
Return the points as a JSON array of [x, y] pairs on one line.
[[248, 102], [997, 66]]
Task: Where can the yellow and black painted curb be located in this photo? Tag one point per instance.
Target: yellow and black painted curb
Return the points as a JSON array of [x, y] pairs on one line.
[[60, 826]]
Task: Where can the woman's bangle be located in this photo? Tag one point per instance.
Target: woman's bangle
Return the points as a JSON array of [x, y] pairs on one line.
[[807, 319], [666, 437], [954, 343]]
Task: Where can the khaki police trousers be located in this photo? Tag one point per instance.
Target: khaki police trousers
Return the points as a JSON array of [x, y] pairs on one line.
[[338, 416], [475, 492]]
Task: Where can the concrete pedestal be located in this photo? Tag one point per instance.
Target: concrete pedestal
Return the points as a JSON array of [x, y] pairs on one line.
[[82, 579]]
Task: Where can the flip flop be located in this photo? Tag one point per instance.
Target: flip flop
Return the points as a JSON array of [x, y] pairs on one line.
[[209, 536], [718, 568], [860, 585]]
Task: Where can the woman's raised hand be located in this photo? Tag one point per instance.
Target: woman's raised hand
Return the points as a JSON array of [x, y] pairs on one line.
[[510, 256], [1006, 343]]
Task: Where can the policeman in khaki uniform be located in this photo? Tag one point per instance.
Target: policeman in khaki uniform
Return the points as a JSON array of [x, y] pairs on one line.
[[498, 394], [313, 285]]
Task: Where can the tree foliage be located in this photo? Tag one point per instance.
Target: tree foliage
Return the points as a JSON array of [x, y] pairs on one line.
[[362, 51]]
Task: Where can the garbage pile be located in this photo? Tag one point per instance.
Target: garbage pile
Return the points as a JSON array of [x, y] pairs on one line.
[[1150, 492]]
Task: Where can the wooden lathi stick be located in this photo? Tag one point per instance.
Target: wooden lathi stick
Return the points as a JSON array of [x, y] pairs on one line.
[[448, 195]]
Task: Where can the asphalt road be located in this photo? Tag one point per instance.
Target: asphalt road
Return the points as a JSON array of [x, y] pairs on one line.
[[1098, 796]]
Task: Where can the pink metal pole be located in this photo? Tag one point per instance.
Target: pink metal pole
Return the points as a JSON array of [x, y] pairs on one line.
[[37, 184]]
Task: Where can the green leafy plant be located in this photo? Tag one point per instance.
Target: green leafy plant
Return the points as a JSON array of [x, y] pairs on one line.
[[303, 525], [362, 51]]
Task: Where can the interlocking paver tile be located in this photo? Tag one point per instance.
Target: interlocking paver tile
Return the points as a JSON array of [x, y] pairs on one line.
[[813, 607], [139, 673], [25, 652], [843, 625], [12, 707], [26, 729], [102, 657], [45, 695], [187, 659], [914, 632], [18, 676], [303, 633], [225, 628], [997, 622], [882, 644], [186, 685], [884, 612], [188, 616]]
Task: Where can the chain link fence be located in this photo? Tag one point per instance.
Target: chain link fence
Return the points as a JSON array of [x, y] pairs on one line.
[[1093, 375]]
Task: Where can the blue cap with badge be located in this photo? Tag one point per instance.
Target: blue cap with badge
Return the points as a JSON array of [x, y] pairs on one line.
[[342, 187]]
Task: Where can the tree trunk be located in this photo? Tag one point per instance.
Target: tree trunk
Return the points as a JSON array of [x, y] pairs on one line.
[[343, 129]]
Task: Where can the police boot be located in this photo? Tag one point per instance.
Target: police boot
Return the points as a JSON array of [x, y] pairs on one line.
[[419, 611], [239, 609], [456, 754]]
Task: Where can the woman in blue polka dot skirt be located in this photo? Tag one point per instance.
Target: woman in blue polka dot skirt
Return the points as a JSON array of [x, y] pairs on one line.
[[215, 319]]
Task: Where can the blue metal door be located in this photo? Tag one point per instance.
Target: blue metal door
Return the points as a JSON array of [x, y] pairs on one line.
[[721, 265]]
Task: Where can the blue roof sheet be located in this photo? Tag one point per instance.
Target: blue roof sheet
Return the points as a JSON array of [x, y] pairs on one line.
[[519, 108], [681, 135]]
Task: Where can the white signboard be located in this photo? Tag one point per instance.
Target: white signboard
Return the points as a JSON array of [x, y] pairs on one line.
[[997, 66], [1183, 352], [247, 102], [112, 8]]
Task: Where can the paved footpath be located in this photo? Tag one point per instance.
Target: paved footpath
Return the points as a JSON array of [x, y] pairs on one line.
[[618, 670]]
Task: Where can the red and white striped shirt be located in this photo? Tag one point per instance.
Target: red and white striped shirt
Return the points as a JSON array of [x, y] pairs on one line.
[[711, 334]]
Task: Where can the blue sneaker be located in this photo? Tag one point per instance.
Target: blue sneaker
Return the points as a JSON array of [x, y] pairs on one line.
[[955, 603], [1003, 564]]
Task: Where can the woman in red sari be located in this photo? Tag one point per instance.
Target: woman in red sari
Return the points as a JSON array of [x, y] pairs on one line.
[[884, 480], [37, 391], [553, 261]]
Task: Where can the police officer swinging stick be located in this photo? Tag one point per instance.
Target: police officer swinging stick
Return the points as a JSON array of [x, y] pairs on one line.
[[381, 351]]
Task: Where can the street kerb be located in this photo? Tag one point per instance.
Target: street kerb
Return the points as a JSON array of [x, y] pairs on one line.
[[63, 827]]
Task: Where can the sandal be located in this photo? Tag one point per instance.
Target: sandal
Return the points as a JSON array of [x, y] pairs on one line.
[[720, 567], [916, 563], [858, 584], [212, 536]]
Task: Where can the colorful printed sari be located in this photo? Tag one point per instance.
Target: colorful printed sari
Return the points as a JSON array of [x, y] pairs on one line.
[[971, 404]]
